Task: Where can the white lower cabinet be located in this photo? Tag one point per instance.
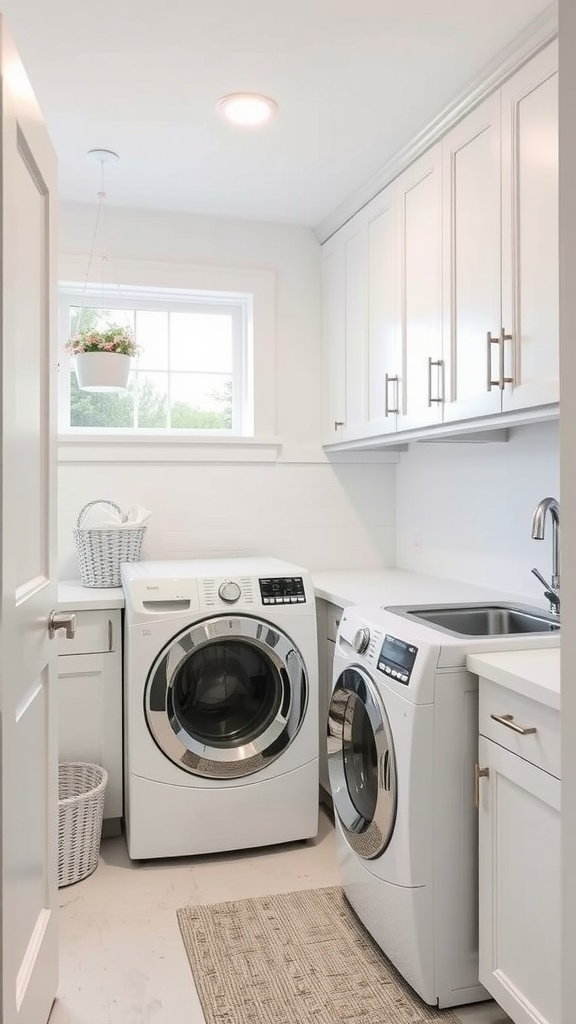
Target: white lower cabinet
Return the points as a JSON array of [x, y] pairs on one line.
[[519, 857], [90, 700]]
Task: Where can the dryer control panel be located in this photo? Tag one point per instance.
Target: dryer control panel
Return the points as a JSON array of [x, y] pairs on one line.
[[282, 590], [396, 659]]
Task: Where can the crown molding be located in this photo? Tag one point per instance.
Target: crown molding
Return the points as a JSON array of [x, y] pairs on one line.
[[541, 31]]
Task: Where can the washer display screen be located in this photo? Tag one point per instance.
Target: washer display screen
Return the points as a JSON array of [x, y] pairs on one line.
[[282, 590], [396, 659]]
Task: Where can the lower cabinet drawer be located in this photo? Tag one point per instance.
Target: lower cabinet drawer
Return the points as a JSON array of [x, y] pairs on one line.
[[503, 713], [97, 632]]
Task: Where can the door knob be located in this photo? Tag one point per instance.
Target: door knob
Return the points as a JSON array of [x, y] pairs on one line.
[[62, 620]]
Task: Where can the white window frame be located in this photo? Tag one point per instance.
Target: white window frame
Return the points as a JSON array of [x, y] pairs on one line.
[[164, 286], [108, 297]]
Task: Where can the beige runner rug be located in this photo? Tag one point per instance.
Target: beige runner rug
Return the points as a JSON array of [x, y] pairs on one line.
[[295, 958]]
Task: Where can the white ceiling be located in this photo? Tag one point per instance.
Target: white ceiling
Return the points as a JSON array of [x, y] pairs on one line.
[[354, 81]]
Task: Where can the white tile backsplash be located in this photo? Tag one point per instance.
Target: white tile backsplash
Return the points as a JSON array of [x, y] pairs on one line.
[[464, 510], [318, 516]]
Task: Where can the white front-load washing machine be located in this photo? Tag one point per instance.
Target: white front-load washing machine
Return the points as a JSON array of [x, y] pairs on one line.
[[403, 741], [220, 706]]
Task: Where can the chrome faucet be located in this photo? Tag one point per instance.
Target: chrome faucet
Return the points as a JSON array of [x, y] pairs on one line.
[[552, 589]]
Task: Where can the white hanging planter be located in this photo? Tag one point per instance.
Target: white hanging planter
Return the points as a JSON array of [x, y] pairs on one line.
[[102, 371]]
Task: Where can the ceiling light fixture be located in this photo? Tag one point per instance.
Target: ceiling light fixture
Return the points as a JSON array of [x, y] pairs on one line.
[[247, 109]]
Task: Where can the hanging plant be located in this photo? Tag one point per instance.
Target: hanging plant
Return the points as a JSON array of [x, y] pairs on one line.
[[114, 339], [102, 358]]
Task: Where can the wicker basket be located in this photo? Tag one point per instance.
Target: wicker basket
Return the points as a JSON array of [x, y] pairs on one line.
[[102, 551], [81, 790]]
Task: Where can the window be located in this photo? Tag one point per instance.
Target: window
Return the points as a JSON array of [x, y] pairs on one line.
[[193, 373]]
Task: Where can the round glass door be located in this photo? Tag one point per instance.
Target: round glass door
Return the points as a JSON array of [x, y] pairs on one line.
[[226, 697], [362, 764], [226, 693]]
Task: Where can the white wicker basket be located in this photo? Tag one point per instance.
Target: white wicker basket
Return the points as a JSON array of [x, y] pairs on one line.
[[81, 790], [101, 552]]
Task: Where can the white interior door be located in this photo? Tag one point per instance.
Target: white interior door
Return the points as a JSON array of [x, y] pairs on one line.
[[27, 661]]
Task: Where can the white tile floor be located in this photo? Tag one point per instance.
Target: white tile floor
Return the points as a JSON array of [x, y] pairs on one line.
[[122, 960]]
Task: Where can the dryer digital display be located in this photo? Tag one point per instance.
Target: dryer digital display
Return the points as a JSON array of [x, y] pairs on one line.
[[282, 590], [396, 659]]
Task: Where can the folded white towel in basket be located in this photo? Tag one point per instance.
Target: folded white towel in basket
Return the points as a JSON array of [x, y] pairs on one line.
[[105, 517]]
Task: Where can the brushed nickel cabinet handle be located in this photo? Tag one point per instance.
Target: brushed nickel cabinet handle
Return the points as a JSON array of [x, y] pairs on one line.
[[388, 411], [508, 721], [440, 398], [502, 379], [338, 423], [479, 773], [489, 342], [110, 635]]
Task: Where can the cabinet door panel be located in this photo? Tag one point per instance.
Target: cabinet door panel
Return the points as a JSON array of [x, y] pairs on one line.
[[472, 264], [420, 195], [383, 313], [519, 887], [356, 256], [90, 718], [530, 231], [333, 340]]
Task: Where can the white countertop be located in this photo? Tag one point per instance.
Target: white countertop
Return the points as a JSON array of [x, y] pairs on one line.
[[72, 596], [534, 673], [397, 586], [341, 587]]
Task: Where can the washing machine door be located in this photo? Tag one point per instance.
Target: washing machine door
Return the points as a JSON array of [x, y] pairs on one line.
[[226, 696], [362, 764]]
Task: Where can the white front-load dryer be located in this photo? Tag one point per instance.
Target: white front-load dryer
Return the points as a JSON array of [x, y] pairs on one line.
[[220, 706], [403, 742]]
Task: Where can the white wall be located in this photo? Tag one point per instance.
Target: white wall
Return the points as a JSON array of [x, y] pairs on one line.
[[292, 252], [464, 510], [301, 508], [317, 516]]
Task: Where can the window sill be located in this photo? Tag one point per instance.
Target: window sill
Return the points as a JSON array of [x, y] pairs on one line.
[[129, 448]]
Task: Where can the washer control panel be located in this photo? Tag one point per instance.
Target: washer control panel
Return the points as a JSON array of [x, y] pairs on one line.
[[282, 590], [396, 659]]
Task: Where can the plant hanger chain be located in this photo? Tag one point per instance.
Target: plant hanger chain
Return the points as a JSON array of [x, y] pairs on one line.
[[100, 231]]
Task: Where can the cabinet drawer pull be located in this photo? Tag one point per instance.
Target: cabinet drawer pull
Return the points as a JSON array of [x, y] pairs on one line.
[[338, 423], [508, 721], [110, 635]]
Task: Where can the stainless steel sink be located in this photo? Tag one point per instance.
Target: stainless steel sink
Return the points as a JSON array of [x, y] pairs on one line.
[[500, 619]]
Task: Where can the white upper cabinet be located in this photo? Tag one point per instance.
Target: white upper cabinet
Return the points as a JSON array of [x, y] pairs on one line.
[[419, 192], [472, 262], [356, 320], [384, 342], [530, 232], [441, 294], [334, 342]]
